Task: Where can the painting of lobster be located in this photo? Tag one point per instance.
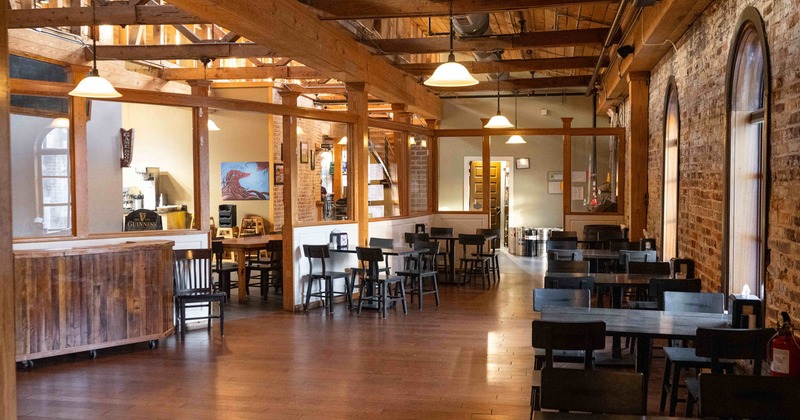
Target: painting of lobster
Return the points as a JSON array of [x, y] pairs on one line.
[[245, 181]]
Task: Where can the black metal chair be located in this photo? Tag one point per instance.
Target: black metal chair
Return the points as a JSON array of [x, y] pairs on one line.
[[425, 270], [473, 263], [223, 269], [195, 289], [379, 287], [270, 268], [324, 277], [492, 252]]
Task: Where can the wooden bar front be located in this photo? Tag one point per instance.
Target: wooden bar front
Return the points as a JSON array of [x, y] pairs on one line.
[[82, 299]]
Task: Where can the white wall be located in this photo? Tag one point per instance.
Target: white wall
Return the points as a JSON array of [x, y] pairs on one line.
[[26, 131], [103, 151]]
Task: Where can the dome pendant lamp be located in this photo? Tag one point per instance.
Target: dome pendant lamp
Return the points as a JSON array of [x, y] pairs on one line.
[[451, 74], [94, 86], [498, 121], [516, 138]]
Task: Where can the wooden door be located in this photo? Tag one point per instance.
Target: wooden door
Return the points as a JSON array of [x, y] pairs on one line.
[[476, 190]]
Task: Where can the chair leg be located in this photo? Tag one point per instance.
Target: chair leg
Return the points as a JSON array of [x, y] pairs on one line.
[[436, 287], [360, 295], [496, 259], [221, 319], [419, 283], [689, 405], [182, 310], [384, 298], [308, 293], [329, 292], [665, 385], [673, 393]]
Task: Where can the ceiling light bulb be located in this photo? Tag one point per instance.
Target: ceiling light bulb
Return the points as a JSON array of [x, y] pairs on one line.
[[515, 139], [212, 126]]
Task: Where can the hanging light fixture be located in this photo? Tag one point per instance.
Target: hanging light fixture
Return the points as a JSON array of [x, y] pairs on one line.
[[516, 138], [94, 86], [212, 126], [451, 74], [412, 140], [498, 121]]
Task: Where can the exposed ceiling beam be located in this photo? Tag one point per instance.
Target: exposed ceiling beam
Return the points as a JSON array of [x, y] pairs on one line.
[[179, 52], [188, 33], [523, 84], [293, 30], [109, 15], [501, 42], [319, 89], [264, 72], [382, 9], [482, 67]]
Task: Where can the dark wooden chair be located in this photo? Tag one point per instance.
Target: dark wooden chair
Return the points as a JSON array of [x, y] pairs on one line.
[[473, 263], [658, 286], [763, 397], [682, 266], [492, 253], [655, 268], [270, 268], [581, 338], [577, 282], [443, 259], [565, 255], [558, 266], [678, 359], [561, 243], [223, 269], [425, 270], [719, 344], [195, 289], [380, 287], [324, 277], [593, 391], [573, 298], [559, 234], [626, 256], [623, 244], [411, 237], [381, 242]]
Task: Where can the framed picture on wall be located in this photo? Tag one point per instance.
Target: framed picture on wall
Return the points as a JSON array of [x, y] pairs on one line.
[[278, 174], [303, 152], [312, 158], [523, 163]]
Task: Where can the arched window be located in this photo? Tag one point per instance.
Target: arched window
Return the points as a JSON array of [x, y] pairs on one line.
[[746, 157], [53, 171], [669, 237]]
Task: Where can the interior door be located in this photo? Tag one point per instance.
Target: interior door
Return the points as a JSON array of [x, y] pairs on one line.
[[476, 190]]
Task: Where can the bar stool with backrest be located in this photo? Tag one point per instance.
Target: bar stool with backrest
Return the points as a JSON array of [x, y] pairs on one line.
[[356, 272], [324, 277], [271, 267], [719, 344], [194, 288], [473, 263], [223, 269], [425, 270], [369, 258], [444, 254], [679, 358], [492, 253]]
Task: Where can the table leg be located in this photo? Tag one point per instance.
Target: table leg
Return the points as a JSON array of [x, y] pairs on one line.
[[241, 272], [451, 256], [643, 350]]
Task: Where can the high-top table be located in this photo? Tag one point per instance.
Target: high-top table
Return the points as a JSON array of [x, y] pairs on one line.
[[240, 246], [451, 255], [644, 325]]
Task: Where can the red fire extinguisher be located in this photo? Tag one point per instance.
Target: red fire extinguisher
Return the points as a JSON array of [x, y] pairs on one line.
[[784, 350]]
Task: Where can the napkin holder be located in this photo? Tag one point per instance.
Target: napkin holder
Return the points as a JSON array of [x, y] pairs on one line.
[[745, 311], [339, 240]]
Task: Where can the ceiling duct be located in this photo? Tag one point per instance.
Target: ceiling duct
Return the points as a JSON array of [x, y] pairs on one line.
[[477, 24]]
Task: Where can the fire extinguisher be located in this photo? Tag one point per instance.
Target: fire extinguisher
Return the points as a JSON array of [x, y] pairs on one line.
[[784, 350]]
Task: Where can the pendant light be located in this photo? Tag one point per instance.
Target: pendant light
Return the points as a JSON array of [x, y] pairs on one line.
[[212, 126], [451, 74], [498, 121], [94, 86], [516, 138]]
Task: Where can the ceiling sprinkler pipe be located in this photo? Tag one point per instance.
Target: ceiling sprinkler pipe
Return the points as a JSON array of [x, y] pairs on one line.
[[615, 24]]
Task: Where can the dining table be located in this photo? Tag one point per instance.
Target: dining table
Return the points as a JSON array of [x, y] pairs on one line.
[[387, 252], [451, 252], [241, 247], [642, 324]]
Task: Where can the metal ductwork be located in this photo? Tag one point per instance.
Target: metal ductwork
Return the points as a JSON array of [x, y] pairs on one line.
[[477, 24]]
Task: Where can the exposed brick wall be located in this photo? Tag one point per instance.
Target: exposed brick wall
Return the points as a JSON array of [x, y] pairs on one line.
[[418, 184], [699, 67]]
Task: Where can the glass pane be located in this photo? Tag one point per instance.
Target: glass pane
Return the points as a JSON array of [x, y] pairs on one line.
[[56, 218], [459, 189], [55, 190], [419, 161], [594, 175], [57, 138], [383, 193], [55, 165]]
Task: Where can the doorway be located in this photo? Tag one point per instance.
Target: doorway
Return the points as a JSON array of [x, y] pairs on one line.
[[500, 185]]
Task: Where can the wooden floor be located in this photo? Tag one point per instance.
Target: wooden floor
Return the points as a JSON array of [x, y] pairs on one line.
[[470, 358]]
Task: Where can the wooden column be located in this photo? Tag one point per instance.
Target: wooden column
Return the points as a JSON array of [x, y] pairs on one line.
[[290, 164], [8, 371], [80, 177], [358, 158], [486, 164], [403, 146], [202, 199], [566, 174], [433, 165], [639, 100]]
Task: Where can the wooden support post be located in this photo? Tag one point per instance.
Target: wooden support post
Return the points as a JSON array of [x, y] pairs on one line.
[[566, 174], [403, 148], [202, 199], [290, 163], [486, 163], [80, 173], [433, 165], [639, 100], [358, 158], [8, 371]]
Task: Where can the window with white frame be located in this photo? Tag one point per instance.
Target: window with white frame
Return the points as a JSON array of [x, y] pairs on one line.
[[54, 181], [669, 246]]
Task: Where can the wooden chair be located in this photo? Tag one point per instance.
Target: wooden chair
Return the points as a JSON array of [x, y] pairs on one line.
[[626, 256], [492, 253], [412, 237], [560, 234], [223, 269], [425, 270], [558, 266], [572, 298], [270, 268], [579, 282], [769, 397], [565, 255], [443, 259], [655, 268], [473, 263], [323, 276], [582, 337], [593, 391], [658, 286], [369, 259], [623, 244], [719, 344], [381, 242], [562, 243], [684, 358], [195, 289]]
